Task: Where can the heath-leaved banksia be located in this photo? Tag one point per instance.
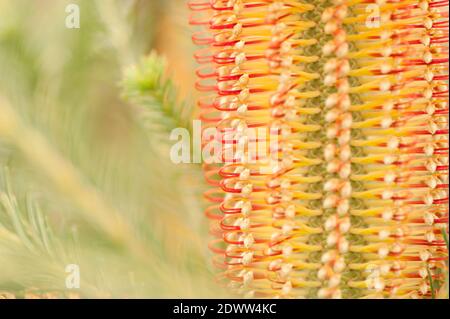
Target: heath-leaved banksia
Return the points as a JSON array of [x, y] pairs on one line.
[[352, 203]]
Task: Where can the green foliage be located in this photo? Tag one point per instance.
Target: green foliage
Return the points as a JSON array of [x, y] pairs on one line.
[[84, 176], [445, 236], [148, 86]]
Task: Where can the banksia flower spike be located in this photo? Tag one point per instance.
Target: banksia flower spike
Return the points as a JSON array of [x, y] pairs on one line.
[[351, 201]]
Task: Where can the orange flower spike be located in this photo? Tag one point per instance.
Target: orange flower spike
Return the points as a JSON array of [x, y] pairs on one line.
[[350, 200]]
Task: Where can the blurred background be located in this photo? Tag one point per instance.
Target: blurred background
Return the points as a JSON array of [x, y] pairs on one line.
[[85, 180]]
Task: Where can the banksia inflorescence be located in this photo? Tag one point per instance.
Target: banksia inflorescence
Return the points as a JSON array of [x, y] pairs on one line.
[[351, 202]]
